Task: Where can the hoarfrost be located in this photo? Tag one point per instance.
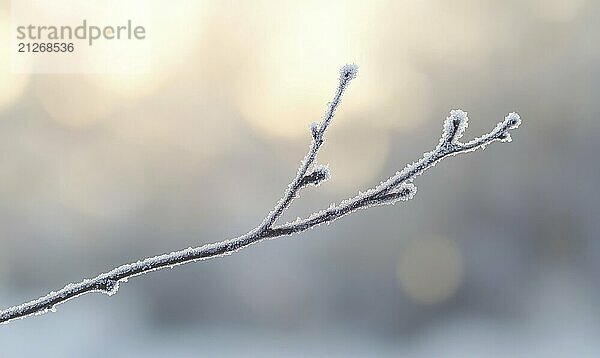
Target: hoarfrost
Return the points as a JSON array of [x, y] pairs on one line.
[[398, 187]]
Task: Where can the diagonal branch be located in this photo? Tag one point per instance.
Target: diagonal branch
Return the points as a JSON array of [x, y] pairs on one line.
[[397, 187]]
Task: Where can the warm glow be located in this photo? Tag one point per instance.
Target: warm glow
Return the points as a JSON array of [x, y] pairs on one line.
[[205, 130], [172, 34], [303, 49], [430, 269], [356, 155], [73, 101]]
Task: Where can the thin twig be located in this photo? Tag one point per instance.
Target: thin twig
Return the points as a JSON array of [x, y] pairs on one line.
[[396, 188]]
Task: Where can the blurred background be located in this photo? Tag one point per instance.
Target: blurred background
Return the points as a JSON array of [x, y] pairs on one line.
[[497, 255]]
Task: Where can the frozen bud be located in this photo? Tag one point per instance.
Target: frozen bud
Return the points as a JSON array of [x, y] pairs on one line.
[[348, 72], [108, 286], [455, 125], [513, 120], [319, 174], [407, 191], [314, 130], [505, 137]]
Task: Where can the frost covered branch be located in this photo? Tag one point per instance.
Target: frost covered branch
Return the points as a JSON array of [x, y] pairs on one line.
[[398, 187]]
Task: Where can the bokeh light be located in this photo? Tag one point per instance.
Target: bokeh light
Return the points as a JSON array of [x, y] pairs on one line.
[[172, 36], [73, 101], [300, 48], [356, 156], [430, 269]]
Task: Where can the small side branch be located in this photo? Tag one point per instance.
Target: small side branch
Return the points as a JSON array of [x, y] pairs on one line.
[[398, 187], [347, 74]]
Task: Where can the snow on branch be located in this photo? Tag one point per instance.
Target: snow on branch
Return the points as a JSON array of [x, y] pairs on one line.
[[398, 187]]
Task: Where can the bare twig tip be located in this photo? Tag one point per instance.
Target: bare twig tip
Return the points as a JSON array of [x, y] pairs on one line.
[[348, 72], [455, 125], [513, 120]]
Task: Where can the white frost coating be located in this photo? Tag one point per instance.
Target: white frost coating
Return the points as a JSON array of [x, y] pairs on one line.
[[314, 130], [349, 71], [397, 187], [455, 125], [319, 174]]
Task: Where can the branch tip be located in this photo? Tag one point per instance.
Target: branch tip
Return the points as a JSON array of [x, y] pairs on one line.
[[348, 72], [455, 126], [513, 120]]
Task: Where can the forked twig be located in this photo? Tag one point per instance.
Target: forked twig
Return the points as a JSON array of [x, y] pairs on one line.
[[396, 188]]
